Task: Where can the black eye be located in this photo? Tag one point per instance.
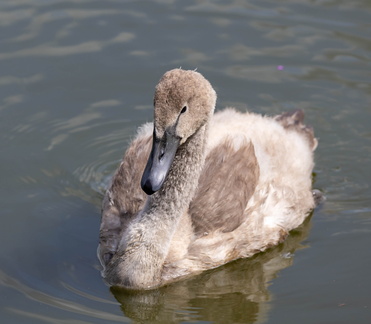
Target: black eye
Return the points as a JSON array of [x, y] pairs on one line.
[[184, 110]]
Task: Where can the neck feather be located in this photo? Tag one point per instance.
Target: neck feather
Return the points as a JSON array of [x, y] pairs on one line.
[[179, 187], [145, 244]]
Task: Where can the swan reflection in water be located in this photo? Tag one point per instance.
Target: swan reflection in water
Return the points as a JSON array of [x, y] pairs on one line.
[[236, 292]]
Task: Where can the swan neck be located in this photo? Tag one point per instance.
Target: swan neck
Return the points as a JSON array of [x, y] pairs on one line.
[[180, 185], [146, 243]]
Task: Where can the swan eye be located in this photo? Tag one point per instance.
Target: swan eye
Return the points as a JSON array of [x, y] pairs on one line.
[[183, 110]]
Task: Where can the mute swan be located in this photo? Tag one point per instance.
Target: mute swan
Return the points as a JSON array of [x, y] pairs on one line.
[[215, 187]]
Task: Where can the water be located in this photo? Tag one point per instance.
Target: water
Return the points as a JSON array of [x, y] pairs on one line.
[[77, 78]]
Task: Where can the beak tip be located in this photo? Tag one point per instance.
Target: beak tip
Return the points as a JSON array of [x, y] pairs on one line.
[[148, 187]]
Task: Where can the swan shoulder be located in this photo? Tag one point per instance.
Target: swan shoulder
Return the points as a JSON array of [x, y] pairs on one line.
[[125, 188], [124, 197]]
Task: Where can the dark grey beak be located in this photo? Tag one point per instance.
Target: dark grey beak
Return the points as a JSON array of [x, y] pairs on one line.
[[159, 161]]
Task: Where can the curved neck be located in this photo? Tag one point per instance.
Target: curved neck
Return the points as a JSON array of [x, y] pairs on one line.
[[145, 245], [180, 185]]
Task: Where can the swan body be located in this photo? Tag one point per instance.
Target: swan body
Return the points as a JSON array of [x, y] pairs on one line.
[[196, 190]]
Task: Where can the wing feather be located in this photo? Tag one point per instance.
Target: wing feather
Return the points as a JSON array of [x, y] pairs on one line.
[[227, 182]]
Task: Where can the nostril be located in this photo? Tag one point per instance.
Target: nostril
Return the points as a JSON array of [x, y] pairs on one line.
[[162, 153]]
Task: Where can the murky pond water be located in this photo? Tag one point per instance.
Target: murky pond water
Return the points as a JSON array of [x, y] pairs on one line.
[[77, 78]]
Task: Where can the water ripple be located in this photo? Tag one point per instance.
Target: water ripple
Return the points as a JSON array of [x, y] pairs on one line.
[[55, 50], [53, 301]]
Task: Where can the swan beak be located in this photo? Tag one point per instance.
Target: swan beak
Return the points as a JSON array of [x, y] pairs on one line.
[[159, 161]]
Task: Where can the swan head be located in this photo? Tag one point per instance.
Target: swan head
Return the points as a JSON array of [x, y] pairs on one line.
[[183, 102]]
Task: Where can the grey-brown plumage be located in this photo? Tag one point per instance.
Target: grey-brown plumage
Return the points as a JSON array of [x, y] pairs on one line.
[[223, 192], [220, 187]]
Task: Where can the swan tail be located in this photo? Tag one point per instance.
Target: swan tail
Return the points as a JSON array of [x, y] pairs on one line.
[[295, 120]]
